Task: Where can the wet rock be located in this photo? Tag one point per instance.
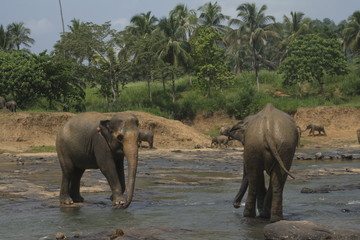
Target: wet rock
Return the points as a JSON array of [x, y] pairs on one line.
[[59, 235], [306, 230], [347, 156], [319, 156]]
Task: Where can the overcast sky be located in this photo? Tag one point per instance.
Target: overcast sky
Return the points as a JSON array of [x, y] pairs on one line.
[[43, 16]]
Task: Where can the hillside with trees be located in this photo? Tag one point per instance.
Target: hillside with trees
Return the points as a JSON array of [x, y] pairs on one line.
[[191, 61]]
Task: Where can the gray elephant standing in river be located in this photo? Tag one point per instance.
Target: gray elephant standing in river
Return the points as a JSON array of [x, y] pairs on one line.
[[146, 136], [270, 138], [11, 105], [92, 141]]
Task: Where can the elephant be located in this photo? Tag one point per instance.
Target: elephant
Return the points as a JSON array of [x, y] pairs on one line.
[[270, 138], [147, 136], [11, 105], [358, 134], [315, 127], [2, 102], [220, 140], [225, 130], [97, 141]]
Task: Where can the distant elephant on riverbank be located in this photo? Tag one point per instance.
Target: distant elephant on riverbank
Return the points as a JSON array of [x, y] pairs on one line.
[[270, 138], [146, 136], [96, 141], [315, 127], [11, 105], [219, 141], [2, 102]]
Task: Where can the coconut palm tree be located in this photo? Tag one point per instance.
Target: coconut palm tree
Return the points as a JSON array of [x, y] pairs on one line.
[[211, 16], [351, 32], [19, 35], [142, 24], [186, 17], [258, 28], [5, 43], [174, 48]]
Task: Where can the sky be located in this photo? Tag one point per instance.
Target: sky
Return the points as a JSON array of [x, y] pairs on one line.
[[43, 17]]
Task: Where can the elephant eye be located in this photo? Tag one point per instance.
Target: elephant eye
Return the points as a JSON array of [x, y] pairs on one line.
[[120, 137]]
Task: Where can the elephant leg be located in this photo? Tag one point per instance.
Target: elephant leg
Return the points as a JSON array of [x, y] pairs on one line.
[[67, 176], [277, 185], [75, 185], [120, 172], [250, 208], [267, 203], [107, 166], [261, 192], [242, 190]]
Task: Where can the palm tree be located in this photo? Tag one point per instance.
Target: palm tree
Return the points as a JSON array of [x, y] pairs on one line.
[[142, 24], [186, 17], [62, 17], [351, 32], [19, 34], [5, 43], [211, 16], [174, 48], [296, 25], [259, 30]]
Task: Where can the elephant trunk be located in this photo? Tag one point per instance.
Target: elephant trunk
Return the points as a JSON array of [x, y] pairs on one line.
[[131, 154]]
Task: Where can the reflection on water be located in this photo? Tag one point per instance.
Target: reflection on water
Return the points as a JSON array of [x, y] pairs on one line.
[[191, 190]]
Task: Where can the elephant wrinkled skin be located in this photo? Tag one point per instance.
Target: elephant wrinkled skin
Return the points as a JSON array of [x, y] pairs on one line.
[[91, 141], [270, 138]]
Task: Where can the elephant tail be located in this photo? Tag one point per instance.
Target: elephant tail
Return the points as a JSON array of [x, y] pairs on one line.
[[271, 143]]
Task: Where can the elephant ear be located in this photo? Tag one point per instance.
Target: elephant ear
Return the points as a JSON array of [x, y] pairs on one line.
[[105, 129]]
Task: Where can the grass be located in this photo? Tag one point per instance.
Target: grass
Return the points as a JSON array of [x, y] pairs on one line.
[[41, 149], [239, 99]]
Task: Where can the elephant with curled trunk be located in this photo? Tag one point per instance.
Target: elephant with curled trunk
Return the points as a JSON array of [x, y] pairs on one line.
[[97, 141], [270, 138]]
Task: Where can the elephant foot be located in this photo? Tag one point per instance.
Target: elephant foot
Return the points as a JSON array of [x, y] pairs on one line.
[[275, 218], [249, 213], [78, 199], [66, 201]]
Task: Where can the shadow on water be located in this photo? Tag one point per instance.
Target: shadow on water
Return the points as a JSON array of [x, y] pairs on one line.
[[191, 190]]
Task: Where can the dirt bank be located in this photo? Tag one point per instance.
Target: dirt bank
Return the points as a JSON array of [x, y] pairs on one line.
[[20, 131]]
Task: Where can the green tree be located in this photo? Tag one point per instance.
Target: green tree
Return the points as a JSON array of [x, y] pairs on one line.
[[174, 49], [351, 33], [259, 29], [309, 58], [20, 35], [5, 41], [211, 16], [209, 60]]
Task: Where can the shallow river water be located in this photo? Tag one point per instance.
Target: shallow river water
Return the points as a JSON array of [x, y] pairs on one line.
[[191, 191]]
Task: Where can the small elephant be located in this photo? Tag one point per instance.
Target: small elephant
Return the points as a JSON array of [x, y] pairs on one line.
[[92, 141], [11, 105], [225, 130], [2, 102], [315, 127], [146, 136], [270, 138], [219, 141]]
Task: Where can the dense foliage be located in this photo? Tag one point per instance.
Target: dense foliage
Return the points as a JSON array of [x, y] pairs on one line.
[[223, 61]]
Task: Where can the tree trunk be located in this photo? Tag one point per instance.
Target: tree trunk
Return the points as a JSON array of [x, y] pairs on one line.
[[173, 87]]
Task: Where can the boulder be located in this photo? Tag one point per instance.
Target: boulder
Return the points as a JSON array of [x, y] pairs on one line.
[[307, 230]]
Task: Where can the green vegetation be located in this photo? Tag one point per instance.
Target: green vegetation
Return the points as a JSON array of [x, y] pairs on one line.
[[43, 148], [188, 62]]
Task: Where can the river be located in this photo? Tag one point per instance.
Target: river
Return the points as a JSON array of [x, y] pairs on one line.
[[188, 192]]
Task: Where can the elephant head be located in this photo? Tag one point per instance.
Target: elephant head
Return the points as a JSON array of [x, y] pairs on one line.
[[121, 134]]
